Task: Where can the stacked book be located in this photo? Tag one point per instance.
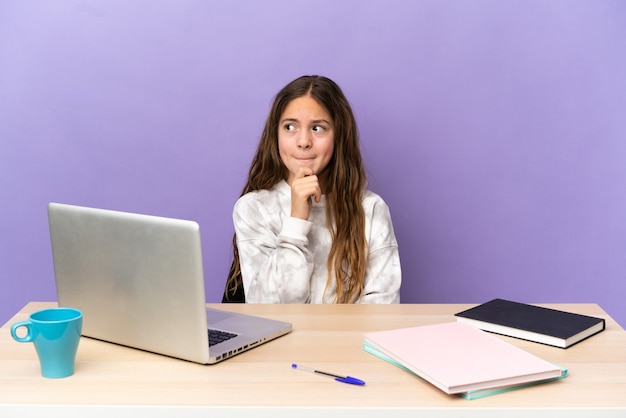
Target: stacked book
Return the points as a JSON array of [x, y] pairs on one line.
[[461, 359]]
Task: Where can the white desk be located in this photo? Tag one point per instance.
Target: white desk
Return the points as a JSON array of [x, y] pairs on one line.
[[112, 380]]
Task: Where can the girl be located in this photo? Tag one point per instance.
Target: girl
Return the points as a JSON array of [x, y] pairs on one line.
[[307, 230]]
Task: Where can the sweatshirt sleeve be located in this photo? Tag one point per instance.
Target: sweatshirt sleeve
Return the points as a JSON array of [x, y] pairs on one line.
[[383, 276], [276, 264]]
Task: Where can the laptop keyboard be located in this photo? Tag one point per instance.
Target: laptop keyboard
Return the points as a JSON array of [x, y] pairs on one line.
[[217, 336]]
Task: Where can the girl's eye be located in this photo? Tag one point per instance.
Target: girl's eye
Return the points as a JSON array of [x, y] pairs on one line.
[[318, 128], [290, 127]]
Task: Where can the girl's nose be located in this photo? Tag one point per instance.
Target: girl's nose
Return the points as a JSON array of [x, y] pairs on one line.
[[304, 140]]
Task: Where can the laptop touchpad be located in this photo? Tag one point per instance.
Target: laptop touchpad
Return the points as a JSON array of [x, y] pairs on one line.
[[214, 316]]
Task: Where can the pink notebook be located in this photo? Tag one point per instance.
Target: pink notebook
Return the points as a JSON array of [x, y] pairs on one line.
[[457, 357]]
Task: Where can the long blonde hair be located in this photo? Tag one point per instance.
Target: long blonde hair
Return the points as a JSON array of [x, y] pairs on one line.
[[344, 179]]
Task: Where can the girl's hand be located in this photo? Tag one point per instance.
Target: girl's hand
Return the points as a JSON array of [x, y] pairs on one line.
[[305, 186]]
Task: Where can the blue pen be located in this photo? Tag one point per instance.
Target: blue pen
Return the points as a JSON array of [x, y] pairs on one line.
[[344, 379]]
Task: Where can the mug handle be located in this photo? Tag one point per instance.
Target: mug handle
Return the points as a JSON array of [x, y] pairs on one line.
[[29, 335]]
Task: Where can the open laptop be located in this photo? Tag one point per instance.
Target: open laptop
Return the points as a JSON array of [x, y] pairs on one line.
[[139, 281]]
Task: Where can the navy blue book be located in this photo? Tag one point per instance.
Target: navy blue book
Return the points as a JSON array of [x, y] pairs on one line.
[[534, 323]]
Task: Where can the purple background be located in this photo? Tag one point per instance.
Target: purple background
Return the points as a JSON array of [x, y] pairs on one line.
[[495, 130]]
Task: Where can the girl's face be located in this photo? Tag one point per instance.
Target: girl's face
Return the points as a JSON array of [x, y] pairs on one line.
[[305, 136]]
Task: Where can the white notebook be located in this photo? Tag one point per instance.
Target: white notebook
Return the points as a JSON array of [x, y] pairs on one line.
[[459, 358]]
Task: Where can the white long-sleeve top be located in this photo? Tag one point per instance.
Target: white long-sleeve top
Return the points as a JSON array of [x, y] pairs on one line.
[[284, 259]]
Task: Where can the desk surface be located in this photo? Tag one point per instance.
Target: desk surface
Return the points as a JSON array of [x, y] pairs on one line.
[[328, 337]]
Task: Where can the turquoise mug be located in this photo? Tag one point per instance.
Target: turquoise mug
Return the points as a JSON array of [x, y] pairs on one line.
[[55, 332]]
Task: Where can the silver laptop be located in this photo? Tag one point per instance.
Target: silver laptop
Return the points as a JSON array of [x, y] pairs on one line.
[[139, 281]]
